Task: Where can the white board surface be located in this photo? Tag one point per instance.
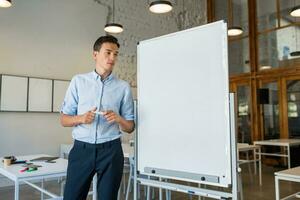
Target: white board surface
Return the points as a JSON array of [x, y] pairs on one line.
[[183, 106], [59, 90], [13, 93], [40, 95]]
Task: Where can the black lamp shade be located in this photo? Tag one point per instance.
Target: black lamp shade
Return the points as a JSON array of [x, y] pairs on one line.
[[295, 53]]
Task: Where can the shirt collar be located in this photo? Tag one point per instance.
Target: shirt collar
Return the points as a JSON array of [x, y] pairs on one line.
[[97, 76]]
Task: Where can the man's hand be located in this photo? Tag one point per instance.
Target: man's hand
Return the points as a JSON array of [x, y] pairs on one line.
[[111, 116], [88, 117]]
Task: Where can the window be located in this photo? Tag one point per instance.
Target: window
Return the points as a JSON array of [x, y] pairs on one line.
[[293, 107]]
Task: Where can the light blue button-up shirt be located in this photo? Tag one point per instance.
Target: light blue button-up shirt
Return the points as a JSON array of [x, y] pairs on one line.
[[87, 91]]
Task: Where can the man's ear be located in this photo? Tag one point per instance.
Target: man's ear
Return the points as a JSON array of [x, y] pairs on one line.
[[95, 54]]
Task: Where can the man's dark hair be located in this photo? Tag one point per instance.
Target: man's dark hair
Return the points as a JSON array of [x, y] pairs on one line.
[[103, 39]]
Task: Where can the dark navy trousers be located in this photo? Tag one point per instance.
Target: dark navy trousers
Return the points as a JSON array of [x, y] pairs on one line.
[[85, 160]]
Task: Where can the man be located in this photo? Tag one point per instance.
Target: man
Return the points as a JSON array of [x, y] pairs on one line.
[[97, 105]]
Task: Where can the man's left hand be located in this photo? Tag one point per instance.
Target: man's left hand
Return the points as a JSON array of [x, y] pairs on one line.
[[111, 116]]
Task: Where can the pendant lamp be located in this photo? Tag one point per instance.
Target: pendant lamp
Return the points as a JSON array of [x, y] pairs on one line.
[[5, 3], [295, 12], [113, 27], [232, 30], [160, 6]]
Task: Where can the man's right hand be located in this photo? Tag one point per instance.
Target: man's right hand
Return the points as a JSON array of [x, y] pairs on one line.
[[88, 117]]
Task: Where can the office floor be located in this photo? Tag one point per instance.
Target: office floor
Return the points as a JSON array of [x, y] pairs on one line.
[[252, 190]]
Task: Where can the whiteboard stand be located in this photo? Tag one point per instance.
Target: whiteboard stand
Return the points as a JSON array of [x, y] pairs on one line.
[[215, 194]]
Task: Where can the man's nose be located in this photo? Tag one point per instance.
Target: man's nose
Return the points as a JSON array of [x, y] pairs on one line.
[[113, 57]]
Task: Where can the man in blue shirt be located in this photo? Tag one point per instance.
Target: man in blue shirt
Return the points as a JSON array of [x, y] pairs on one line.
[[97, 105]]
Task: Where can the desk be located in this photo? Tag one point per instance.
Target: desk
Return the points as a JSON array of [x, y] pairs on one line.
[[48, 170], [287, 143], [292, 174], [243, 147]]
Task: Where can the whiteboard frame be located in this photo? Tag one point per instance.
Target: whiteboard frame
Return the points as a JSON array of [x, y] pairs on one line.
[[215, 193], [185, 175]]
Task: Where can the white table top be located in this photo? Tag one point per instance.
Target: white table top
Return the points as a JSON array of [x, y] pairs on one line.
[[292, 173], [13, 171], [246, 147], [278, 142]]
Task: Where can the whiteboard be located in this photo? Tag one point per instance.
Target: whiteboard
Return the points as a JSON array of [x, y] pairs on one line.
[[13, 93], [40, 95], [59, 90], [183, 106]]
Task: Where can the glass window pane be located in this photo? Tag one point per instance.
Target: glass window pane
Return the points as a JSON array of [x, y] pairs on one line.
[[239, 56], [286, 7], [244, 117], [293, 108], [271, 113], [266, 14], [276, 48]]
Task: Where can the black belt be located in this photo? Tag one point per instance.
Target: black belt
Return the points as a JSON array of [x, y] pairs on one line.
[[101, 145]]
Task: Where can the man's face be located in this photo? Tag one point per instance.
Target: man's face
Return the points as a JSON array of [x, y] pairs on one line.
[[106, 57]]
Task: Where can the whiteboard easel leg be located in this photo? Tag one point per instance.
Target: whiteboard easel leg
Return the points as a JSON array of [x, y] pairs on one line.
[[234, 151]]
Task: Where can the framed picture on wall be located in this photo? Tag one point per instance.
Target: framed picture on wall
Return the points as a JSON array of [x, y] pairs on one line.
[[40, 95], [59, 91], [14, 91]]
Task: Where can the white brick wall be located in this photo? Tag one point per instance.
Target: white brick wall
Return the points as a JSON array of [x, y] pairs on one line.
[[140, 24]]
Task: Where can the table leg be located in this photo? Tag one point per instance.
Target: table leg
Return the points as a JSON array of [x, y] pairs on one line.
[[289, 156], [16, 190], [249, 166], [259, 165], [255, 160], [42, 186], [277, 192]]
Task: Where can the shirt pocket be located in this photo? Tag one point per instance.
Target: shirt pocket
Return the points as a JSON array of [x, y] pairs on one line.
[[86, 102], [111, 106]]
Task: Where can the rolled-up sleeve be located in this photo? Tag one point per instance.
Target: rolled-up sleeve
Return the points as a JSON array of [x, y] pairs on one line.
[[70, 103], [127, 107]]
